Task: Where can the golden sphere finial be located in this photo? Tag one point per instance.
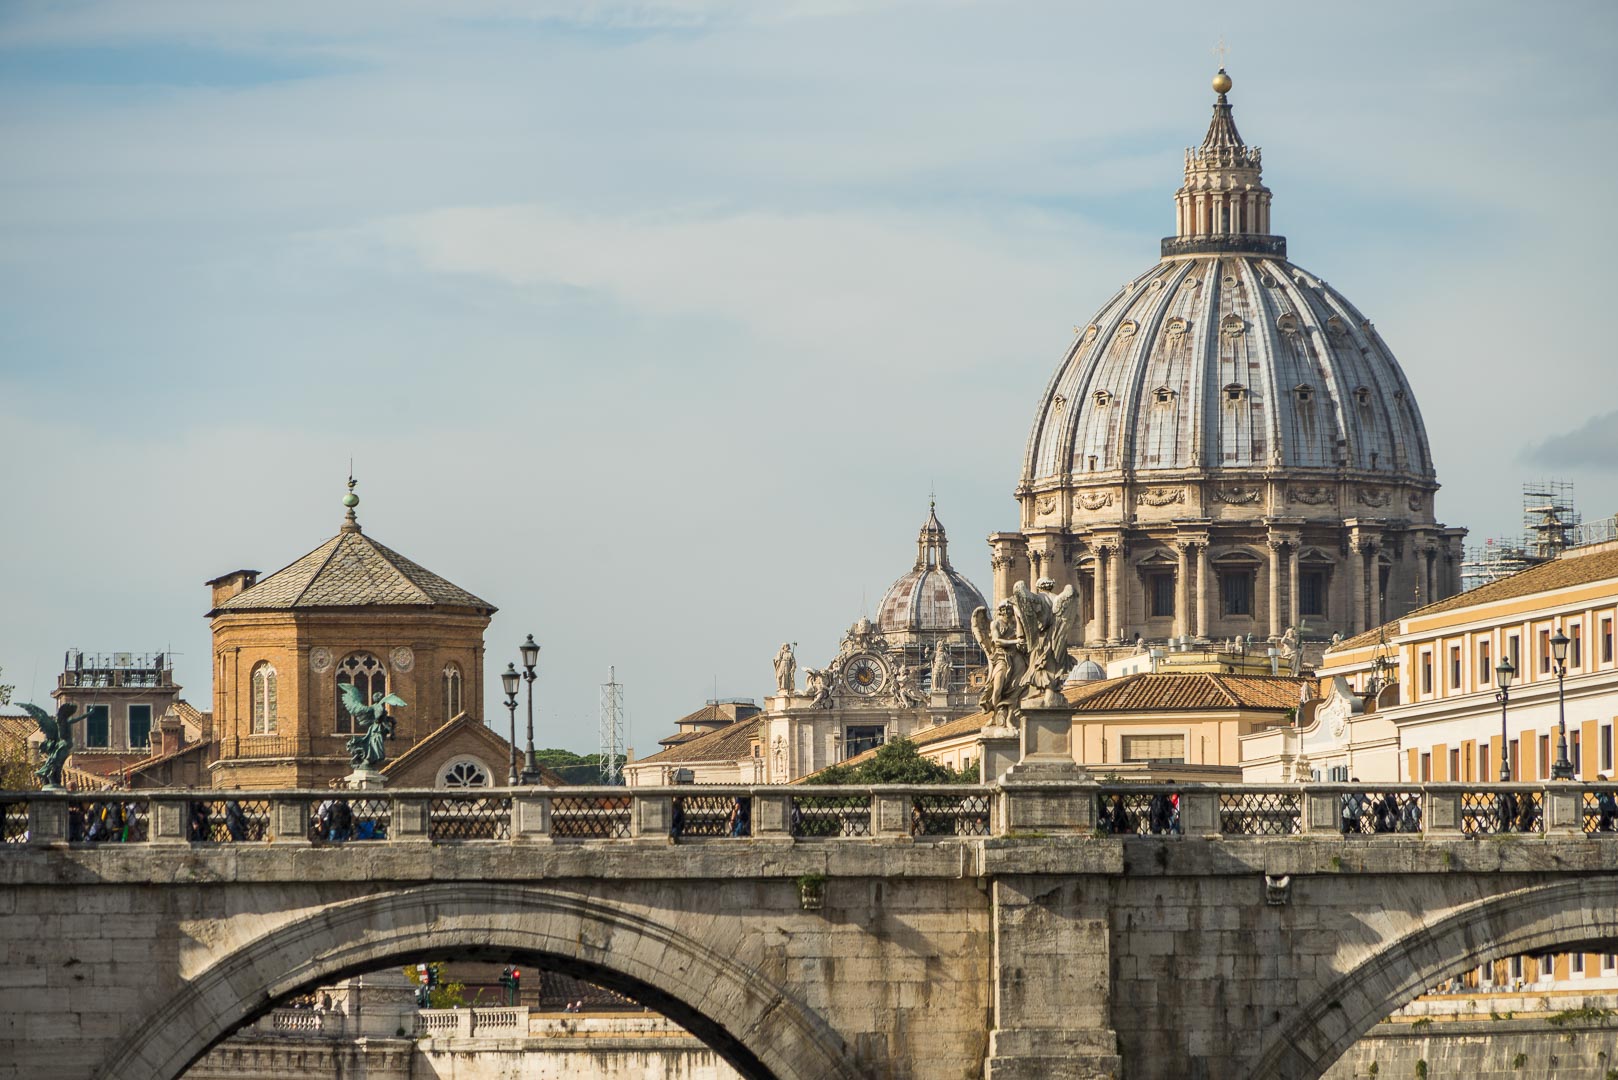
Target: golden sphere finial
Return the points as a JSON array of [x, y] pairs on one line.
[[1221, 83]]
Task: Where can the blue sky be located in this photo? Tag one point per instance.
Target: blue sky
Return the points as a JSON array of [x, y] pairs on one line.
[[654, 323]]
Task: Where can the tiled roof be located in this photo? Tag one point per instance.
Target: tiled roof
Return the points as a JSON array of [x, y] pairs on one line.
[[430, 743], [1565, 572], [351, 570], [730, 743], [158, 759], [722, 712], [1166, 691]]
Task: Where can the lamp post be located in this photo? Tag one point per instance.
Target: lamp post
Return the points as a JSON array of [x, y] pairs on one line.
[[509, 679], [530, 659], [1503, 673], [1563, 769]]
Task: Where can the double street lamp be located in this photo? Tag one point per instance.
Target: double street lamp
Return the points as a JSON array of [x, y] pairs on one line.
[[530, 660], [1563, 769], [1503, 674], [509, 680]]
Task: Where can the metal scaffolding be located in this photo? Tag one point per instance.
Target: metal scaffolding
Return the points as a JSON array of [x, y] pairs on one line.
[[612, 726]]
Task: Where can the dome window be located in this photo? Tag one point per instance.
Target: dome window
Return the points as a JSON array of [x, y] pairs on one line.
[[1335, 327], [1059, 404], [1175, 326], [1127, 328], [1235, 392], [1163, 395], [1304, 391], [1102, 399], [1362, 395], [1287, 324], [1232, 325]]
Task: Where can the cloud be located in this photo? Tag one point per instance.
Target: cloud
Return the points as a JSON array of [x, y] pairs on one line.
[[1592, 446]]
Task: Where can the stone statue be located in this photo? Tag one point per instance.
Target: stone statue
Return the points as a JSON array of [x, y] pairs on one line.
[[905, 688], [940, 669], [1288, 648], [367, 750], [58, 744], [817, 682], [1045, 620], [786, 669], [1008, 662], [1140, 645]]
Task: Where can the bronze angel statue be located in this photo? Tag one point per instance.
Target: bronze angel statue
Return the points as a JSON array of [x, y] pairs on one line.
[[58, 732], [368, 747]]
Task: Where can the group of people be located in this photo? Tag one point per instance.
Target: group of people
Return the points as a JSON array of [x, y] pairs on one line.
[[1162, 815], [334, 823], [200, 826], [109, 822], [739, 821], [1385, 813]]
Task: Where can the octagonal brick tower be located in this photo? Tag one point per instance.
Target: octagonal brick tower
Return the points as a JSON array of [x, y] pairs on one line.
[[1228, 446]]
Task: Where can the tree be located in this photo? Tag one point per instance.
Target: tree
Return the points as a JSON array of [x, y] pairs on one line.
[[5, 691], [896, 762], [442, 995]]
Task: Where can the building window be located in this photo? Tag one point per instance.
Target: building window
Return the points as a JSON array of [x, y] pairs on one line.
[[1514, 652], [140, 725], [1575, 963], [1426, 672], [1575, 649], [1426, 767], [1454, 765], [98, 727], [1609, 963], [1169, 748], [1515, 764], [1606, 641], [264, 699], [862, 737], [1544, 757], [1161, 589], [1312, 592], [1606, 746], [1516, 968], [452, 691], [1455, 667], [464, 774], [366, 674], [1236, 592], [1573, 752], [1544, 652], [1485, 669], [1483, 762]]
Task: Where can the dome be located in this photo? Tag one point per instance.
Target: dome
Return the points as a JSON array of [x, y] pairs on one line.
[[1228, 361], [932, 596], [1088, 671]]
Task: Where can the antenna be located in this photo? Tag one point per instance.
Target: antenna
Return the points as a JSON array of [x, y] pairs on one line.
[[612, 726]]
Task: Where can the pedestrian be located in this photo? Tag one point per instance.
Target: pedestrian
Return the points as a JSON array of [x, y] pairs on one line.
[[342, 822], [235, 821], [1118, 816], [676, 823], [1386, 813], [1606, 806], [1506, 809], [1160, 813], [1174, 813], [1529, 816], [1410, 815], [197, 828]]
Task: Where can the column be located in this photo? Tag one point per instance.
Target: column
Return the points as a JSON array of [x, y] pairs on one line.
[[1275, 588], [1182, 593], [1115, 608], [1356, 583], [1374, 568], [1102, 594], [1292, 583], [1201, 629]]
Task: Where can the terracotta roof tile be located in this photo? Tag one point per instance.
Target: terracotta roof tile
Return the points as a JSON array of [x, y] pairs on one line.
[[351, 570], [730, 743]]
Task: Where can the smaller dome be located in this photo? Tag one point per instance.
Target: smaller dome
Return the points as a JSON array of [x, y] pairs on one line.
[[1089, 671], [932, 596]]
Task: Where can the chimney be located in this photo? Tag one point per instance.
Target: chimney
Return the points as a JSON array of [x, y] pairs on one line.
[[171, 731], [232, 584]]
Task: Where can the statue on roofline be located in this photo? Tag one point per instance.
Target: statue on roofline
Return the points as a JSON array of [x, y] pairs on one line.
[[786, 669], [58, 744]]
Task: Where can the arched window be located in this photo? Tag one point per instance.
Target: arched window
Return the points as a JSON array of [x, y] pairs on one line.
[[452, 691], [464, 773], [366, 674], [264, 706]]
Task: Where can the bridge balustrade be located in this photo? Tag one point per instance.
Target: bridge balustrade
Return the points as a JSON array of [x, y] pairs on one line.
[[722, 813]]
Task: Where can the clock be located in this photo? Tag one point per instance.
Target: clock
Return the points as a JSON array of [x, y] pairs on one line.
[[864, 674]]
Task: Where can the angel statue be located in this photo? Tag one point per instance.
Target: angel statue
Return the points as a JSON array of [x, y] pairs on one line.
[[58, 744], [1045, 622], [819, 682], [368, 749], [905, 689], [786, 669], [1008, 661]]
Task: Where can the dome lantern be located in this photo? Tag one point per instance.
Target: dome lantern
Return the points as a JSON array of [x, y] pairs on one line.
[[1223, 204]]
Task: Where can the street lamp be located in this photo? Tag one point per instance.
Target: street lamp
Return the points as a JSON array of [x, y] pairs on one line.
[[1503, 673], [530, 659], [1563, 769], [509, 679]]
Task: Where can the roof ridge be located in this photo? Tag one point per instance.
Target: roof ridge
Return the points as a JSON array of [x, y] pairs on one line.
[[389, 556], [330, 555], [1219, 684]]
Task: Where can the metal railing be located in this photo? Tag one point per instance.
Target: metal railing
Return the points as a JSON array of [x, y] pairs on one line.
[[820, 813]]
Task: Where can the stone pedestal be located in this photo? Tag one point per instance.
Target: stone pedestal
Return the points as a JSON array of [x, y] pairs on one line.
[[1046, 791], [365, 778], [998, 750]]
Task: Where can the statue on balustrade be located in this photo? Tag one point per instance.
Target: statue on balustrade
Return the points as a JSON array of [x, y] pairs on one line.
[[367, 749], [1008, 662], [786, 669], [1045, 621], [58, 744]]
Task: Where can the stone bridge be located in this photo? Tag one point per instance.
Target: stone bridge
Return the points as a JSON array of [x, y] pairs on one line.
[[888, 933]]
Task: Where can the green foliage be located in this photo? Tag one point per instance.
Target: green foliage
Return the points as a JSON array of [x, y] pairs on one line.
[[1519, 1061], [1421, 1069], [446, 995], [897, 762], [1423, 1024], [1590, 1014], [1373, 1070], [5, 691]]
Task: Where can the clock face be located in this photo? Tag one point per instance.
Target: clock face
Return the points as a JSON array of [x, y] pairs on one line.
[[864, 675]]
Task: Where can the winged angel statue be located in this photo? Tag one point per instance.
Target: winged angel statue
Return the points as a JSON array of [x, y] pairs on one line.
[[1027, 645], [368, 748], [58, 732]]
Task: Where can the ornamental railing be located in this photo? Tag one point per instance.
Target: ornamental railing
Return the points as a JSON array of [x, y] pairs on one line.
[[1217, 244], [724, 814]]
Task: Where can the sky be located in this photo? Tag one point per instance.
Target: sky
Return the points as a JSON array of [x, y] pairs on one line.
[[655, 323]]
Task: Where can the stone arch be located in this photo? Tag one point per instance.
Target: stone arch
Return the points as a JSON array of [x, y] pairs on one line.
[[1537, 919], [757, 1026]]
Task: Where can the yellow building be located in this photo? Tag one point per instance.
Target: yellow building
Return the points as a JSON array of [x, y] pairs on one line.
[[351, 611]]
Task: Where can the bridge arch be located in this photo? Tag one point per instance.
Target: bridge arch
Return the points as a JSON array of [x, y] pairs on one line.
[[757, 1026], [1541, 918]]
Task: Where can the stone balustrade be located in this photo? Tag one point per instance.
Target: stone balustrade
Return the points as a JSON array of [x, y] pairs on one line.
[[722, 814]]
